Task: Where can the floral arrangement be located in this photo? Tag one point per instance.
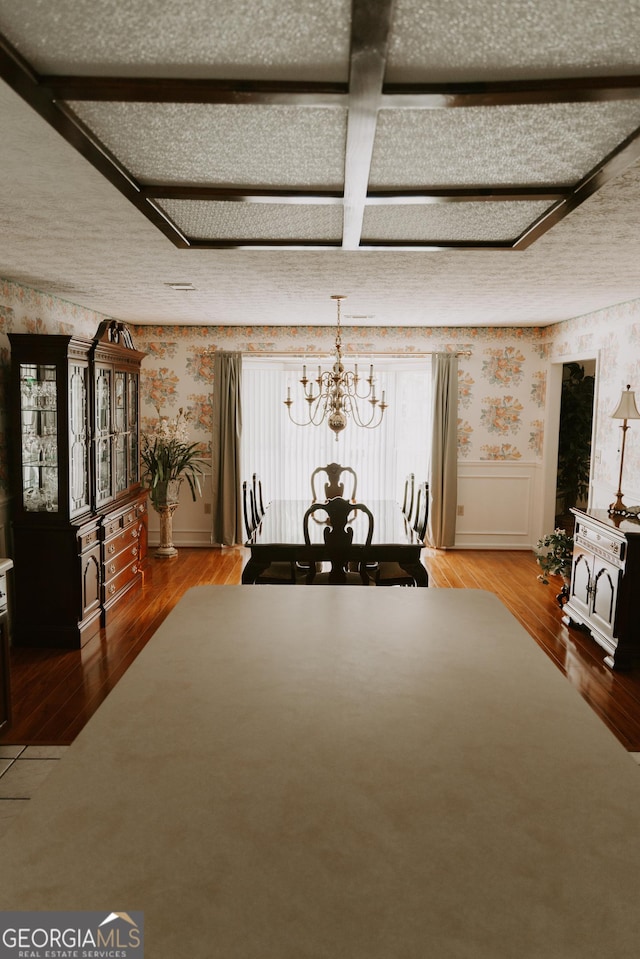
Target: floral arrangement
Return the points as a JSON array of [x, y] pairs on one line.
[[554, 554], [167, 454]]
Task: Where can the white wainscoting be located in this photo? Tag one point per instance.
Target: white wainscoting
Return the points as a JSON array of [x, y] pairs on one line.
[[502, 509], [501, 503]]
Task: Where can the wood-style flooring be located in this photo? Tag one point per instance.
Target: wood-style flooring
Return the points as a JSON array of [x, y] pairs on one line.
[[55, 692]]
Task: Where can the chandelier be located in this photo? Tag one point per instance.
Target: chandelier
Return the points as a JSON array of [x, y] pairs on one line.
[[338, 395]]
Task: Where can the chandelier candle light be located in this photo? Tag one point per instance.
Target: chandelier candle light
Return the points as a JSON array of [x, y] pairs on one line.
[[338, 397]]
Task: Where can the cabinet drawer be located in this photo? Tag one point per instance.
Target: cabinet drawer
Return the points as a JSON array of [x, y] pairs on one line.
[[121, 580], [600, 543], [113, 564], [122, 538], [130, 516], [124, 520], [87, 539]]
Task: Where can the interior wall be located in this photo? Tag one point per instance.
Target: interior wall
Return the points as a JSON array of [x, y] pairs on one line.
[[503, 400], [502, 396], [613, 336]]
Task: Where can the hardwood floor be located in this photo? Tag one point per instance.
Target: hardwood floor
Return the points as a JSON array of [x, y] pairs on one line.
[[55, 692]]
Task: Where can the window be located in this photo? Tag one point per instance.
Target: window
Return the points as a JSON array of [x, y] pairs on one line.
[[284, 454]]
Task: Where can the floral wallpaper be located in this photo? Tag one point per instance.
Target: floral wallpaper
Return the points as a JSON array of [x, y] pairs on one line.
[[24, 310], [502, 372]]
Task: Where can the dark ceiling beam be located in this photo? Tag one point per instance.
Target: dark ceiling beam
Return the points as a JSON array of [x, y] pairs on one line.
[[612, 166], [159, 191], [176, 90], [426, 96], [430, 246], [17, 73], [281, 244], [410, 246], [370, 28], [473, 194], [365, 95], [440, 96]]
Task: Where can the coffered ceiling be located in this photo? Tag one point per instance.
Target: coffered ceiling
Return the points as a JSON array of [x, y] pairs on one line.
[[441, 163]]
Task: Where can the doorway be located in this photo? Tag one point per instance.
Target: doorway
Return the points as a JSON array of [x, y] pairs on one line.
[[573, 471]]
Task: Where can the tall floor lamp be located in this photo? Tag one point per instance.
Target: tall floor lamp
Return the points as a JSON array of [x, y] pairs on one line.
[[625, 410]]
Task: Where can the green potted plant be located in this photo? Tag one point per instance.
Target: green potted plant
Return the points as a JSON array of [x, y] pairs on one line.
[[554, 555], [168, 458]]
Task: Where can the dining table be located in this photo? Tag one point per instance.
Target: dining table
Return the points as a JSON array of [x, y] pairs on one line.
[[279, 537]]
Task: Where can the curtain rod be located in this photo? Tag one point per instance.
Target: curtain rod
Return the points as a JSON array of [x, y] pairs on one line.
[[361, 353]]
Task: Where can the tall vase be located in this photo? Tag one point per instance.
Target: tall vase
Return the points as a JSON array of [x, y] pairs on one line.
[[165, 502]]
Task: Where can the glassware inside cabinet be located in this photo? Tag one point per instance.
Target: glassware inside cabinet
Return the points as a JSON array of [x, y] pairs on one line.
[[104, 488], [132, 407], [120, 414], [39, 429]]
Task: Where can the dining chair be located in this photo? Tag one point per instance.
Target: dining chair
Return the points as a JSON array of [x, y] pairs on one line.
[[333, 488], [409, 491], [422, 510], [277, 572], [392, 573], [247, 510], [257, 496], [338, 539]]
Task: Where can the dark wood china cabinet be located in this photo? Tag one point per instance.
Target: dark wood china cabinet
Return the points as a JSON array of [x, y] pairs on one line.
[[79, 520]]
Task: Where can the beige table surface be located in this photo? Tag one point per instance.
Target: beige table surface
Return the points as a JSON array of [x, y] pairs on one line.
[[296, 772]]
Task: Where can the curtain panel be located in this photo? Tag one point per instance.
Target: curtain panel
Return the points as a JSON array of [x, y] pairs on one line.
[[225, 467], [443, 477]]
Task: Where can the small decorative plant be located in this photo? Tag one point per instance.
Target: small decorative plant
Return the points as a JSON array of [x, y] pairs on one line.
[[167, 454], [554, 555]]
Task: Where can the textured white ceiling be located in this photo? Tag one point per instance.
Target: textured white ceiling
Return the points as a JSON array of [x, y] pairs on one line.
[[66, 230], [438, 40], [232, 39]]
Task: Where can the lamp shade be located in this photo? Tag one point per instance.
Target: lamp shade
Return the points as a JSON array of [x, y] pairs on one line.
[[626, 408]]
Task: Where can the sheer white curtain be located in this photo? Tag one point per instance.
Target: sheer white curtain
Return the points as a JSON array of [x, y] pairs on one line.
[[284, 454]]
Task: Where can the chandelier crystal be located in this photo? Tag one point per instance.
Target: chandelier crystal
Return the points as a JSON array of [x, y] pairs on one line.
[[338, 397]]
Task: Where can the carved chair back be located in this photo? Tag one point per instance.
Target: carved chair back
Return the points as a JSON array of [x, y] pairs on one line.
[[338, 538], [333, 487]]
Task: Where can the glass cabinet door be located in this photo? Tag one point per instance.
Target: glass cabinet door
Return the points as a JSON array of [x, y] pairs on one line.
[[104, 487], [133, 427], [39, 437], [78, 452], [120, 426]]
